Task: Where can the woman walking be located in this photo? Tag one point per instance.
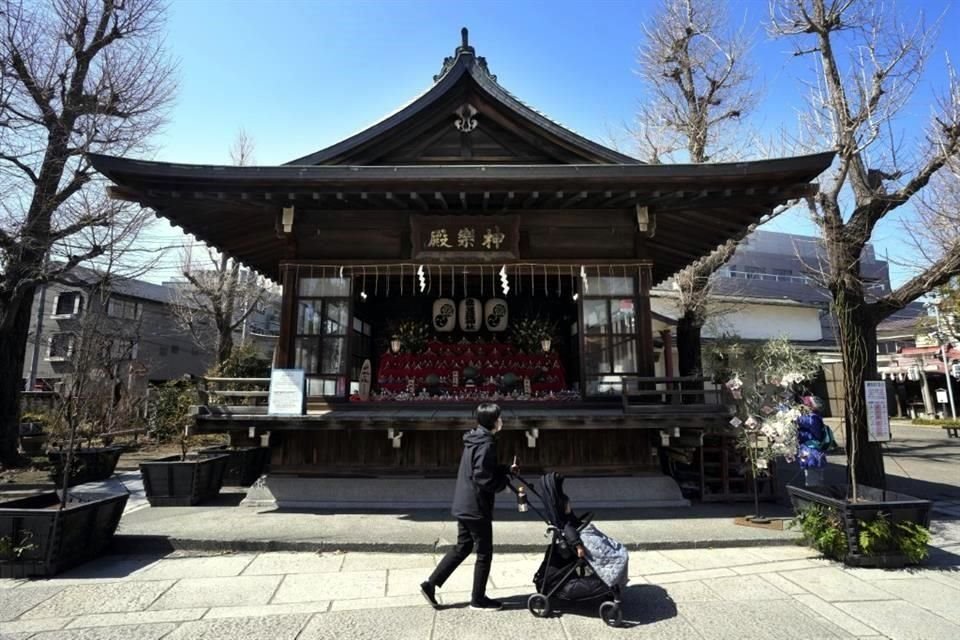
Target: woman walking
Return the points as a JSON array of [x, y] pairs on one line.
[[480, 477]]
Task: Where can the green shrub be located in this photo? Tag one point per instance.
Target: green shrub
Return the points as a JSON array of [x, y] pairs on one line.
[[935, 422], [822, 529], [882, 536], [10, 550], [876, 536], [245, 361], [170, 410], [913, 539], [38, 417]]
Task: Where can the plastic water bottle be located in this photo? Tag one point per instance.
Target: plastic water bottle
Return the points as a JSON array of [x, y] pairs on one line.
[[522, 505]]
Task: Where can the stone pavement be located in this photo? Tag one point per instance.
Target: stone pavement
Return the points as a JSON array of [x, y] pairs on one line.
[[783, 592], [221, 526]]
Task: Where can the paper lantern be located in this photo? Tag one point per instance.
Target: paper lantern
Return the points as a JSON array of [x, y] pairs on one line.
[[495, 314], [444, 315], [471, 315]]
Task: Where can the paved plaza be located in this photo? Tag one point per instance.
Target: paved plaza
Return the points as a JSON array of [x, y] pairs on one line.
[[694, 574], [698, 594]]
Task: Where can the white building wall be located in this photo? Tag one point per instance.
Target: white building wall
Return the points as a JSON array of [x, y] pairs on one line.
[[764, 321], [753, 320]]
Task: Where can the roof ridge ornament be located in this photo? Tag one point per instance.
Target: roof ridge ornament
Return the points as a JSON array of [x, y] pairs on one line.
[[466, 120], [463, 50]]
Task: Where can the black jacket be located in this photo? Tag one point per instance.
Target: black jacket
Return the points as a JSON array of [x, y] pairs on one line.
[[479, 477]]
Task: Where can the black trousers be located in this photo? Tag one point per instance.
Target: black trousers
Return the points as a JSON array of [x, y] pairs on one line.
[[470, 533]]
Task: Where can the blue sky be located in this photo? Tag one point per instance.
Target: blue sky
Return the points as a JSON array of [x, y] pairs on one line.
[[301, 75]]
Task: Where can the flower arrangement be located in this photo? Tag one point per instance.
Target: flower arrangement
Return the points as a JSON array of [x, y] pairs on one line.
[[528, 333], [413, 334], [763, 381]]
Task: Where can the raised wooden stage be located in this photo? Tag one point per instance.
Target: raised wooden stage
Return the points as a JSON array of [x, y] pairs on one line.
[[372, 439]]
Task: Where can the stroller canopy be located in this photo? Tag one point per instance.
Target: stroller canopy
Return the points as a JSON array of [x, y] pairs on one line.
[[554, 499]]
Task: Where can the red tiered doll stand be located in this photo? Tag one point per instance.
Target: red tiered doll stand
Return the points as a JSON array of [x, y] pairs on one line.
[[491, 360]]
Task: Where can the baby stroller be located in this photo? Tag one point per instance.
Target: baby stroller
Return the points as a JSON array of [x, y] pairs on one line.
[[563, 576]]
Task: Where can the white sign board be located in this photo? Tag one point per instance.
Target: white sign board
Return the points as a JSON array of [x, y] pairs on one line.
[[878, 420], [286, 392], [942, 396]]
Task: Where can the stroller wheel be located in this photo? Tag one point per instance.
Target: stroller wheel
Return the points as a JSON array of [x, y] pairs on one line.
[[611, 614], [539, 605]]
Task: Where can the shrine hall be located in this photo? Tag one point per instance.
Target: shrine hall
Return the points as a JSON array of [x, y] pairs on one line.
[[467, 248]]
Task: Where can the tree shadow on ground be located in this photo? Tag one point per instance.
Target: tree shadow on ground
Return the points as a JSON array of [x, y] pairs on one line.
[[107, 567], [642, 604], [224, 500], [942, 559]]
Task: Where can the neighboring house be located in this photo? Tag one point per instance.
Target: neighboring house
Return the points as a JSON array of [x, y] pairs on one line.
[[768, 290], [261, 327], [911, 360], [137, 313], [769, 264]]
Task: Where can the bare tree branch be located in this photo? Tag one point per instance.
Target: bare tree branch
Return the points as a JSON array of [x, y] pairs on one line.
[[853, 106], [696, 79], [76, 76]]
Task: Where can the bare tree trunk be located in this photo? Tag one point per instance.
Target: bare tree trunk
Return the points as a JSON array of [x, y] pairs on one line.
[[689, 358], [13, 347], [224, 347], [858, 346]]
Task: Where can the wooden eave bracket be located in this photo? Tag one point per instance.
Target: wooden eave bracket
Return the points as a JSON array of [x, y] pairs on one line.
[[532, 435], [286, 218], [394, 435], [285, 222], [646, 221]]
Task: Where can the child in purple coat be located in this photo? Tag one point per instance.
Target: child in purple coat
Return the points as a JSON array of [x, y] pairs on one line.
[[813, 439]]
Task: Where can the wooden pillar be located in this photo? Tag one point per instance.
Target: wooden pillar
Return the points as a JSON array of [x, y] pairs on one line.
[[288, 319], [645, 323], [667, 339]]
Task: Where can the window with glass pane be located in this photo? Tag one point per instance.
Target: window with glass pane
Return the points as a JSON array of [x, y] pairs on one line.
[[320, 344], [610, 286], [610, 333]]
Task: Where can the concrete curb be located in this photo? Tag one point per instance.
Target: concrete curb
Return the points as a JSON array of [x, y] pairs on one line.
[[135, 544]]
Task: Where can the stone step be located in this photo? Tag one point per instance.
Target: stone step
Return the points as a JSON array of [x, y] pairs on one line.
[[295, 492]]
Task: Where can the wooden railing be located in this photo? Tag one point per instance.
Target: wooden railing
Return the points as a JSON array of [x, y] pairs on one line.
[[639, 391], [232, 395]]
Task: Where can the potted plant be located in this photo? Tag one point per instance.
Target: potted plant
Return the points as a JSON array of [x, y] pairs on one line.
[[96, 402], [185, 479], [33, 433], [45, 534], [879, 529], [533, 335], [245, 463]]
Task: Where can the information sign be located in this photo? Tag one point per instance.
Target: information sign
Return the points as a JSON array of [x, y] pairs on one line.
[[286, 392], [878, 420]]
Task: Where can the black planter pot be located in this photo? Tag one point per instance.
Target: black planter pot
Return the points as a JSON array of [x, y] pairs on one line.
[[53, 544], [171, 482], [244, 466], [93, 464], [32, 439], [872, 502]]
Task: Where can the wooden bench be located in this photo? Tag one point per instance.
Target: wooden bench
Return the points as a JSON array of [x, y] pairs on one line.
[[246, 401], [953, 430]]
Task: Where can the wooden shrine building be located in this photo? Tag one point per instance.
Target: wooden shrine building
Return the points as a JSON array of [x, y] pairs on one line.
[[443, 244]]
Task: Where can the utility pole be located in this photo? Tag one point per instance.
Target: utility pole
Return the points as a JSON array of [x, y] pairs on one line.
[[942, 339]]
